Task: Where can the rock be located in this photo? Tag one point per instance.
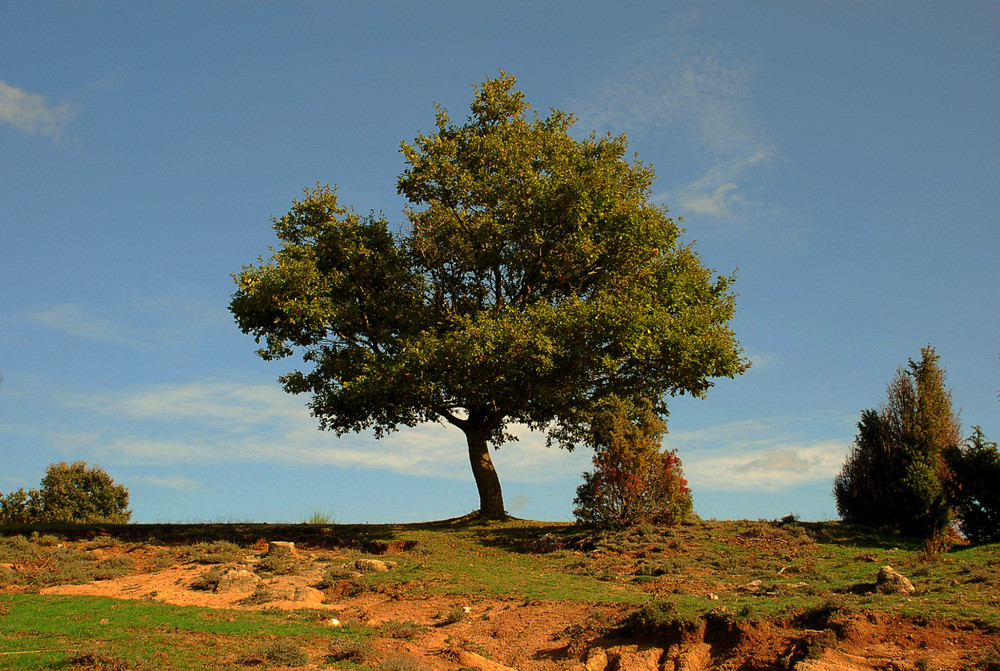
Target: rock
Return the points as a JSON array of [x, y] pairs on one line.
[[547, 543], [304, 593], [891, 581], [237, 580], [793, 585], [370, 566], [279, 548], [752, 586]]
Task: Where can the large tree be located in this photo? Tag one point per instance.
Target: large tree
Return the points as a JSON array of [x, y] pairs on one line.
[[533, 280]]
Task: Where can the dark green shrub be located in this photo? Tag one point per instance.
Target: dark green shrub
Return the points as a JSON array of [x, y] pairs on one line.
[[973, 488]]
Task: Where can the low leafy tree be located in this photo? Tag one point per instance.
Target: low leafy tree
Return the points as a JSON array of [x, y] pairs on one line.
[[20, 507], [633, 480], [973, 487], [69, 493], [896, 471]]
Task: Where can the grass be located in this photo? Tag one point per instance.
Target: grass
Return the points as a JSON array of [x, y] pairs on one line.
[[51, 630], [661, 579]]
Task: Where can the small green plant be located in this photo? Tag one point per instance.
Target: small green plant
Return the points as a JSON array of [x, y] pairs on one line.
[[214, 552], [400, 663], [263, 594], [93, 659], [351, 650], [456, 614], [990, 660], [820, 642], [280, 652], [320, 517], [279, 565], [397, 629], [209, 580], [656, 619], [333, 575]]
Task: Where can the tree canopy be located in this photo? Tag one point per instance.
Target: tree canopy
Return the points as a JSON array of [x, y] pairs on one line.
[[533, 279], [68, 493]]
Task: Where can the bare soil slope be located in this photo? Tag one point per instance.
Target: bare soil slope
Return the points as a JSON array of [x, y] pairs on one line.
[[450, 630]]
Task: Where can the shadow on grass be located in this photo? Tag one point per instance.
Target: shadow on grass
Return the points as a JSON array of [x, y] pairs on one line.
[[369, 538]]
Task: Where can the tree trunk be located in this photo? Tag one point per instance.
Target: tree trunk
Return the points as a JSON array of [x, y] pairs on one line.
[[487, 481]]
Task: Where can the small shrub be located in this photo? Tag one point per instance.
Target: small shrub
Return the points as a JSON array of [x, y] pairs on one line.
[[209, 580], [45, 540], [280, 652], [279, 565], [403, 630], [215, 552], [400, 663], [821, 641], [113, 567], [633, 480], [351, 650], [989, 660], [261, 595], [656, 619], [456, 614], [333, 575], [94, 659]]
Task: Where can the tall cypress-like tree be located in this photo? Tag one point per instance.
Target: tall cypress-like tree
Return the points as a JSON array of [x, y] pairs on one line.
[[897, 469]]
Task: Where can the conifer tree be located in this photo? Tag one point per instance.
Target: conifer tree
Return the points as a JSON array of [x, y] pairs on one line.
[[897, 469]]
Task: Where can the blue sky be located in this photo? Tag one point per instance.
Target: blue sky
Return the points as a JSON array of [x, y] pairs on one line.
[[844, 156]]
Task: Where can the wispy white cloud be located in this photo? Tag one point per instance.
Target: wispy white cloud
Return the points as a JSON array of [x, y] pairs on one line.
[[77, 321], [216, 422], [697, 96], [763, 360], [714, 204], [137, 322], [177, 482], [769, 454], [31, 112]]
